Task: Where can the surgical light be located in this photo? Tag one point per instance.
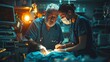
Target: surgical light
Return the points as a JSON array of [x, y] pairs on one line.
[[26, 18]]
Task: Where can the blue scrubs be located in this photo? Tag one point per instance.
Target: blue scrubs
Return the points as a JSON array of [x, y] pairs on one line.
[[38, 31], [82, 27]]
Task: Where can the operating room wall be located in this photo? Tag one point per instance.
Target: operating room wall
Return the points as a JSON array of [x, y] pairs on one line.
[[89, 7]]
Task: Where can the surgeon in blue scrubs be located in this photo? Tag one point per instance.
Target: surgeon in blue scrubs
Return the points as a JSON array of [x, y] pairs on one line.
[[45, 30], [80, 40]]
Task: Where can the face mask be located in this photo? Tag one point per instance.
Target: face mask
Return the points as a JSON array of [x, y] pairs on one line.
[[65, 21]]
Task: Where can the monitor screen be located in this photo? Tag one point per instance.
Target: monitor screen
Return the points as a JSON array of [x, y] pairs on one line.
[[7, 15]]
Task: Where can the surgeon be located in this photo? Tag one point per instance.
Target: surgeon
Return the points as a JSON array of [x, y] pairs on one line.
[[45, 30], [80, 40]]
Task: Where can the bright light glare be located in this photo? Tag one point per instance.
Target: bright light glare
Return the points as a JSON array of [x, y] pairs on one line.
[[26, 18]]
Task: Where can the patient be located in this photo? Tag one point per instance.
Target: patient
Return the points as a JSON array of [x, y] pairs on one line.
[[41, 54]]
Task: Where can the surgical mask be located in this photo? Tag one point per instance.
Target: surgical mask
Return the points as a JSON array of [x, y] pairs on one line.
[[65, 21]]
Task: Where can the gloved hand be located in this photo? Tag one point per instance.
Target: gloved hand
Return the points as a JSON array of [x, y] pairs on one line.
[[41, 47], [43, 50], [60, 50], [59, 46]]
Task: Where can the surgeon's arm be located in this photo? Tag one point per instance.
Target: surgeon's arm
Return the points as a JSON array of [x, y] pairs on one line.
[[81, 45]]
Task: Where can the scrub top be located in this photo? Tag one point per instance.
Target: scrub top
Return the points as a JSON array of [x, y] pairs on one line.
[[39, 33], [82, 27]]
